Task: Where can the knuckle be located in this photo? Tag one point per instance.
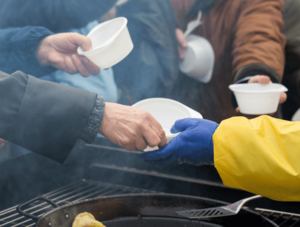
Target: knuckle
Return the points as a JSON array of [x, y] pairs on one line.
[[141, 146], [130, 148], [126, 142], [154, 142], [161, 133]]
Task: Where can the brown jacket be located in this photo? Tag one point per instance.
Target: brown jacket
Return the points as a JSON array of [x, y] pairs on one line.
[[246, 39]]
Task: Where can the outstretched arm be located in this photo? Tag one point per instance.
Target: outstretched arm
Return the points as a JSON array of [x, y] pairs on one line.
[[259, 155], [37, 51]]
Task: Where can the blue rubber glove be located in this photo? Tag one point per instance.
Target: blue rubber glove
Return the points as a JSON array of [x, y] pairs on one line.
[[194, 145]]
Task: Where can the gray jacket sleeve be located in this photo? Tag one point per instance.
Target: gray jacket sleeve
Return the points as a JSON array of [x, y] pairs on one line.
[[44, 117]]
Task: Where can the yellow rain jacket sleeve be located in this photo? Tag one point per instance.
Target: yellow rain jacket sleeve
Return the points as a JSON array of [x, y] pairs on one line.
[[261, 156]]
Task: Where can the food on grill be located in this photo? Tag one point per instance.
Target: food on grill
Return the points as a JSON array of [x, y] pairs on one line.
[[86, 220]]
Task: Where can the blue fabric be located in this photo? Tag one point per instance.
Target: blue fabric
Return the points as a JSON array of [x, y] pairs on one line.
[[56, 15], [194, 145], [103, 84], [17, 50]]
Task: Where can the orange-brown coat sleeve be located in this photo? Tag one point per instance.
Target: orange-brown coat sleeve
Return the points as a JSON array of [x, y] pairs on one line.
[[258, 38]]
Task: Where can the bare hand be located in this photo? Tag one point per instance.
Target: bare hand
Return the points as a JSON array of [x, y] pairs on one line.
[[131, 128], [2, 143], [182, 43], [60, 51], [262, 79]]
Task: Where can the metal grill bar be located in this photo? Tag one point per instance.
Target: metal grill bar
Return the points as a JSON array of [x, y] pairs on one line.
[[161, 175], [76, 191], [282, 219], [60, 190], [113, 148]]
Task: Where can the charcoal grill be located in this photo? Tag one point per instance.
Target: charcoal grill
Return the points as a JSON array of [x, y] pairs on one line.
[[80, 190], [87, 189], [112, 170]]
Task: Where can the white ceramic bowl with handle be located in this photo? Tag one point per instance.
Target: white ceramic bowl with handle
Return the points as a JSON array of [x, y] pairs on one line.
[[166, 112], [111, 43], [257, 99]]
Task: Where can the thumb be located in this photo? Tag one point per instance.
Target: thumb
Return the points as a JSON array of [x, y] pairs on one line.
[[83, 41], [158, 155], [183, 124]]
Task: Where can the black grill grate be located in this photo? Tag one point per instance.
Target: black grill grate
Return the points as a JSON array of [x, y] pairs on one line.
[[283, 219], [84, 189]]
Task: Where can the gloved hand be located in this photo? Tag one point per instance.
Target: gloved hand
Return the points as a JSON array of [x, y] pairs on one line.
[[194, 145]]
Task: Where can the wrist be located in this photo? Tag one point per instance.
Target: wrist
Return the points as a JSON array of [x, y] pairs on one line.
[[211, 146], [104, 119], [41, 52]]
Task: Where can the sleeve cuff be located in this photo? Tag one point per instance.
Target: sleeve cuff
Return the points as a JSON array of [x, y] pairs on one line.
[[93, 124], [257, 69], [35, 68]]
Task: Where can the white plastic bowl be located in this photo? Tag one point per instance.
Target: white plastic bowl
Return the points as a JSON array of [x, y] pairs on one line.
[[166, 112], [199, 59], [256, 99], [111, 43]]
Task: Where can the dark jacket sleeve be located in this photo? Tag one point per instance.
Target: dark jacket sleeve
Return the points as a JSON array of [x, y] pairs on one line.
[[56, 15], [44, 117], [17, 50]]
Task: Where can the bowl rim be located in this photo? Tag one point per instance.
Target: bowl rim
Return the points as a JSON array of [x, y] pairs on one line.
[[107, 43], [281, 88], [164, 100]]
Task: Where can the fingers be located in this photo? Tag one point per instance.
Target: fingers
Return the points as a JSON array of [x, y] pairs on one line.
[[85, 66], [2, 143], [140, 143], [151, 137], [81, 40], [237, 110], [181, 52], [283, 97], [159, 131], [90, 66], [262, 79], [70, 66], [86, 44], [181, 38], [157, 155], [182, 43], [81, 68], [181, 125]]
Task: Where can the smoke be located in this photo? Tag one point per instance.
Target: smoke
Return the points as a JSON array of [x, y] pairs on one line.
[[26, 175]]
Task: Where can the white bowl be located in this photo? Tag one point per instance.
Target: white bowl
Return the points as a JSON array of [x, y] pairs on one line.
[[111, 43], [256, 99], [166, 112], [199, 59]]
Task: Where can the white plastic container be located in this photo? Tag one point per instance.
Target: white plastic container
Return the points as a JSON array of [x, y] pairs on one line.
[[199, 59], [257, 99], [111, 43], [166, 112]]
